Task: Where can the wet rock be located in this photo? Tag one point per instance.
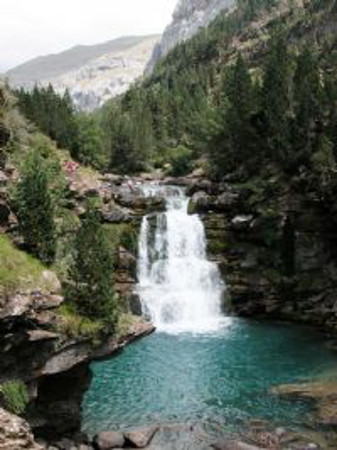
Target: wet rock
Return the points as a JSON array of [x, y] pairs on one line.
[[140, 438], [107, 440], [15, 433], [226, 444], [324, 393], [135, 305], [199, 203]]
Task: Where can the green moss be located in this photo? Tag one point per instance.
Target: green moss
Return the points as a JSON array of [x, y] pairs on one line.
[[14, 396], [18, 270]]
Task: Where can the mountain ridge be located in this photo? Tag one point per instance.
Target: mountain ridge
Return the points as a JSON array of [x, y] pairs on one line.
[[92, 73]]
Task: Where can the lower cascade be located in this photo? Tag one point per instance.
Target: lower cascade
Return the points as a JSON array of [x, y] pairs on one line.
[[179, 288]]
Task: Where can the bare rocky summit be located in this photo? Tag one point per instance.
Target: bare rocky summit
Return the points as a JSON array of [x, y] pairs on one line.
[[92, 74]]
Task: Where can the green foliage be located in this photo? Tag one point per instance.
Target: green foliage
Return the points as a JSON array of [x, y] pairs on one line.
[[14, 396], [75, 325], [91, 273], [180, 159], [275, 97], [90, 142], [53, 114], [35, 208], [18, 270], [324, 167]]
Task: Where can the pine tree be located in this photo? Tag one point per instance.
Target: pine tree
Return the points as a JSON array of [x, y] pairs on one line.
[[276, 98], [35, 209], [91, 274], [308, 101], [239, 88]]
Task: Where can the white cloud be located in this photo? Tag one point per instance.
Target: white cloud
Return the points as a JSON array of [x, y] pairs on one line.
[[30, 28]]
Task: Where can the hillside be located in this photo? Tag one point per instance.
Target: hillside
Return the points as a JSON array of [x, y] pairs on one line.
[[92, 74]]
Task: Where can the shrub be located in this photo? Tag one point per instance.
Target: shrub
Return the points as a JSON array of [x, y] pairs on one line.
[[14, 396], [180, 159]]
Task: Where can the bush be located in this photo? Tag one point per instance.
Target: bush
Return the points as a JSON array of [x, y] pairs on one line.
[[180, 159], [14, 396]]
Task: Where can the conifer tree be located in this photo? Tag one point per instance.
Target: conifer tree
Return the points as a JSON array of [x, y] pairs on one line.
[[308, 101], [91, 274], [275, 97], [35, 209]]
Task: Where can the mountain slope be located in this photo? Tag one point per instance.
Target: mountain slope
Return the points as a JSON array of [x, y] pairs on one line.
[[188, 17], [92, 74]]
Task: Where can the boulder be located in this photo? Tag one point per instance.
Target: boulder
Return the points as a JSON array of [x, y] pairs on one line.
[[15, 433], [140, 438], [199, 203], [107, 440], [113, 213], [242, 222], [126, 260], [225, 444], [227, 201]]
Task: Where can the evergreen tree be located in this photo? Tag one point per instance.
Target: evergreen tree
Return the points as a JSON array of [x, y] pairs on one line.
[[276, 98], [90, 142], [91, 274], [34, 207], [308, 104], [239, 88]]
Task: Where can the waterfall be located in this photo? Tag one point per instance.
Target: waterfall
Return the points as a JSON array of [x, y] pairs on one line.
[[179, 288]]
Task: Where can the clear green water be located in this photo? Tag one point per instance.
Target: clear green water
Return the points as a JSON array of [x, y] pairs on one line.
[[220, 380]]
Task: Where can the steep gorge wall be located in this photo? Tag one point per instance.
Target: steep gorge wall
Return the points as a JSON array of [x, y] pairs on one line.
[[276, 248]]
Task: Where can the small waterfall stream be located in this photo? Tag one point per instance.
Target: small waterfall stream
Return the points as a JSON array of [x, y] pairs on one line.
[[179, 288]]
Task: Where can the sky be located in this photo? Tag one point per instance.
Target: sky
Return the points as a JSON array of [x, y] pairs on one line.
[[30, 28]]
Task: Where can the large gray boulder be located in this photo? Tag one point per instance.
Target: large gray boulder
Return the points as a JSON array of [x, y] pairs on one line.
[[107, 440], [140, 438]]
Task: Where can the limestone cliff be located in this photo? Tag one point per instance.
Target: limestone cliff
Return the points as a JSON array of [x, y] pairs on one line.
[[189, 16], [92, 74]]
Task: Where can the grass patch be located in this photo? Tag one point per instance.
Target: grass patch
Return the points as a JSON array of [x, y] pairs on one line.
[[18, 270], [75, 325], [124, 323], [14, 396]]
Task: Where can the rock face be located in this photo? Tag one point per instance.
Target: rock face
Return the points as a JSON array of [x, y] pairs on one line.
[[15, 433], [92, 74], [188, 17], [275, 246]]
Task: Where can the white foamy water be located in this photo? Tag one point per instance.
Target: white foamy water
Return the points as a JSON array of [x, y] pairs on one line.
[[179, 288]]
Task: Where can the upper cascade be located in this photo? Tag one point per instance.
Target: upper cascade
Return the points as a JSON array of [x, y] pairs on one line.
[[180, 289], [188, 17]]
